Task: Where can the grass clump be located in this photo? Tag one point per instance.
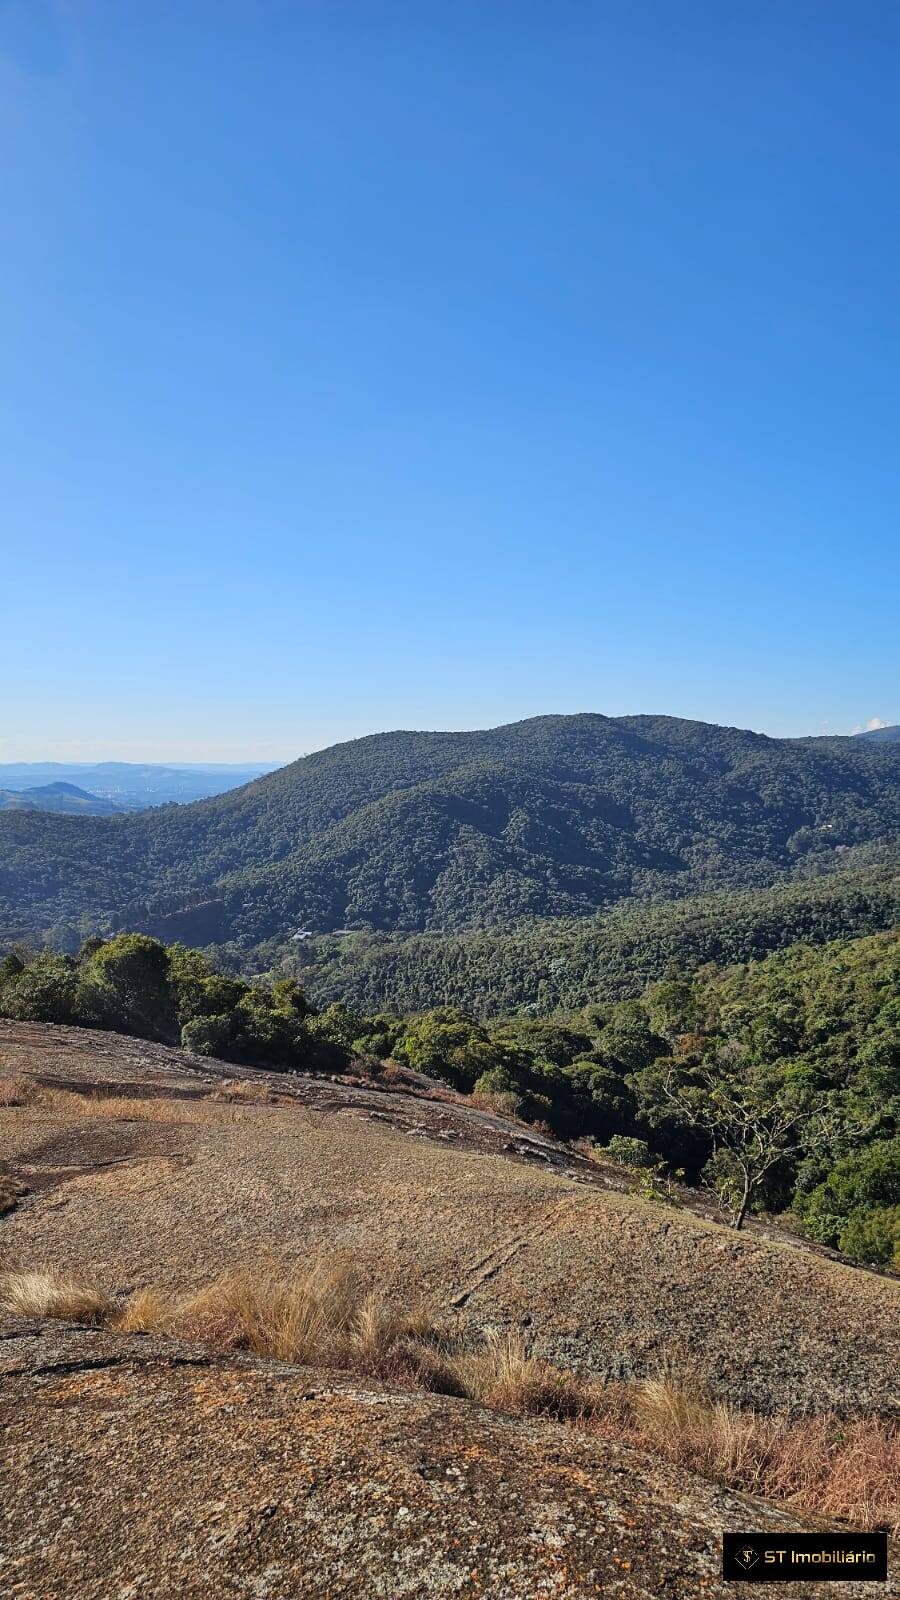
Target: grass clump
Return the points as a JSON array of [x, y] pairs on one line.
[[502, 1374], [846, 1470], [47, 1292], [241, 1092], [18, 1091], [329, 1315]]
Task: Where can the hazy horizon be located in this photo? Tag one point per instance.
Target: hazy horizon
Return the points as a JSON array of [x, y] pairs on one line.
[[139, 755]]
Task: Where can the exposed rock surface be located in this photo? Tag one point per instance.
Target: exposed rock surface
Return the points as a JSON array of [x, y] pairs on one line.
[[476, 1214], [143, 1469]]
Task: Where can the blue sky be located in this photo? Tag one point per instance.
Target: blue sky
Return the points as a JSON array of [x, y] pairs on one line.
[[373, 365]]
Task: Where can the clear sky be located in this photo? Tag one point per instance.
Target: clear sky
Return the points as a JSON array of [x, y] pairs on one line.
[[429, 364]]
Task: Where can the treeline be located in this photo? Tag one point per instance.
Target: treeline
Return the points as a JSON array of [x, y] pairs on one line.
[[776, 1084], [545, 966], [134, 984]]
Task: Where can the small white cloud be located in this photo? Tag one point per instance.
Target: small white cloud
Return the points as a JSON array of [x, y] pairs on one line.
[[875, 722]]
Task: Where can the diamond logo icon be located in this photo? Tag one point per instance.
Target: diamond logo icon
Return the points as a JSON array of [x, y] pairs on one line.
[[746, 1557]]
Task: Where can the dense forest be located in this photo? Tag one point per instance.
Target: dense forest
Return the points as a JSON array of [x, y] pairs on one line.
[[542, 966], [773, 1084], [417, 832]]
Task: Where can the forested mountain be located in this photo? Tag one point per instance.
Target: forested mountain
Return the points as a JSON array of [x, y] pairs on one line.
[[889, 735], [553, 817]]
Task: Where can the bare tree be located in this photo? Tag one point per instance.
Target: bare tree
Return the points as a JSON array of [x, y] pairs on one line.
[[753, 1121]]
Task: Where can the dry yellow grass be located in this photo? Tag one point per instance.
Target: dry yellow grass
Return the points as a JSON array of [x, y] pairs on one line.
[[243, 1091], [210, 1109], [330, 1315], [503, 1375], [145, 1311], [44, 1292], [326, 1315], [18, 1091], [849, 1470]]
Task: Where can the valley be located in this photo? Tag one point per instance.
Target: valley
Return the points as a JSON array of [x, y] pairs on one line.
[[427, 1227]]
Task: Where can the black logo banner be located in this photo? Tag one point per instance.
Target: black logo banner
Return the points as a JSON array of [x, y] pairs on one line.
[[794, 1557]]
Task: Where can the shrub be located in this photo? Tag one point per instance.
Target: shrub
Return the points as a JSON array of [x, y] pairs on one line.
[[44, 991], [628, 1152], [208, 1036], [873, 1236], [127, 981]]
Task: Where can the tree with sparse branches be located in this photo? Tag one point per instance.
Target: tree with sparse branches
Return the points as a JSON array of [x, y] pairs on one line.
[[754, 1119]]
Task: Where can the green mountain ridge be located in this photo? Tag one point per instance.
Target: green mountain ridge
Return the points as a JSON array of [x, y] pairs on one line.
[[558, 816]]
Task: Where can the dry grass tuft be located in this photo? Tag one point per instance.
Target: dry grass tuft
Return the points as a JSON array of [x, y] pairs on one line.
[[330, 1315], [145, 1311], [502, 1375], [327, 1315], [45, 1292], [18, 1091], [844, 1470], [244, 1092]]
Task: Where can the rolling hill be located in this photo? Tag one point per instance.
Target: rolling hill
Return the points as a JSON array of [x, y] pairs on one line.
[[570, 962], [552, 817], [129, 785], [66, 798]]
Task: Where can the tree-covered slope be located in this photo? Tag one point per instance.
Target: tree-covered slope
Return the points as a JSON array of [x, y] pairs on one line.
[[557, 816], [569, 963]]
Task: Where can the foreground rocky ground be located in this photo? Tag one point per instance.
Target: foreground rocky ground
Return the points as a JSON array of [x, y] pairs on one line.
[[138, 1467], [484, 1220], [145, 1469]]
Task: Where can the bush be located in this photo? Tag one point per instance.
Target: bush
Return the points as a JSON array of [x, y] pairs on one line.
[[628, 1152], [44, 991], [873, 1236], [127, 980], [868, 1180], [208, 1036]]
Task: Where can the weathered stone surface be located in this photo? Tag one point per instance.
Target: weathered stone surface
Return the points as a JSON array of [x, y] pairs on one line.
[[467, 1211], [143, 1469]]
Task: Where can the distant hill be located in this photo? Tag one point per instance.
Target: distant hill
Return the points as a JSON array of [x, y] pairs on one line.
[[889, 735], [63, 797], [553, 817], [131, 786]]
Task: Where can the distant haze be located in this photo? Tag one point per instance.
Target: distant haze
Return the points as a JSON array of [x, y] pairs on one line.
[[128, 786]]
